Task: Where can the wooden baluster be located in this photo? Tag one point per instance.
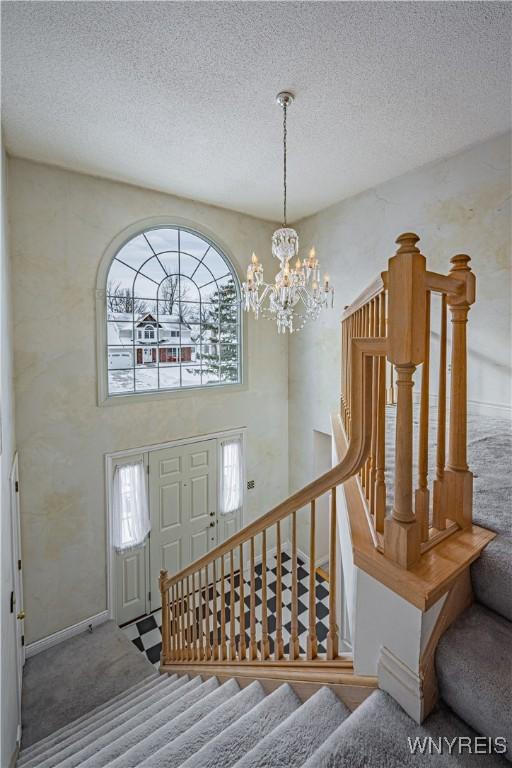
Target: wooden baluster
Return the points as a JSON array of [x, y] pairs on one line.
[[200, 617], [372, 468], [194, 621], [207, 643], [458, 478], [223, 647], [407, 309], [215, 620], [253, 647], [265, 646], [349, 373], [294, 632], [380, 490], [189, 628], [164, 593], [332, 634], [312, 649], [422, 495], [176, 628], [232, 640], [172, 639], [181, 620], [242, 651], [279, 645], [439, 509]]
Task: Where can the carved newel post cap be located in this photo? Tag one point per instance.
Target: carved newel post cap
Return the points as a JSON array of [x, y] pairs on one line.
[[407, 242], [460, 262]]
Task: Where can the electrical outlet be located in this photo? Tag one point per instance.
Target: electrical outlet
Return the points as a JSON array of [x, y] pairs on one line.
[[250, 485]]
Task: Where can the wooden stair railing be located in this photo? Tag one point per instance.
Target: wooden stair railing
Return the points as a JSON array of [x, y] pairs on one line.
[[191, 634], [397, 307], [386, 335]]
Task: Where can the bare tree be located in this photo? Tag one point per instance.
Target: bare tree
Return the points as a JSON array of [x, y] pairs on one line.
[[168, 296], [121, 300]]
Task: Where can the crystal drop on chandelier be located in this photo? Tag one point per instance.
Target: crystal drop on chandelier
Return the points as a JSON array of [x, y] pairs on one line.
[[297, 294]]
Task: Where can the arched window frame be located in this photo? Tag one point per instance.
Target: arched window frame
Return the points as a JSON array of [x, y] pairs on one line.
[[138, 228]]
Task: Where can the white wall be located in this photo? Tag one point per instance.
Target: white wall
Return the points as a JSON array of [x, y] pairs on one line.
[[458, 205], [61, 224], [8, 680]]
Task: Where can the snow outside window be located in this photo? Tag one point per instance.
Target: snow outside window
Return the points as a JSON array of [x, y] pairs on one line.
[[231, 476], [130, 504]]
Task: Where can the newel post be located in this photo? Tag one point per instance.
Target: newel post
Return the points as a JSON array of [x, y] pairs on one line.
[[406, 337], [458, 479], [164, 593]]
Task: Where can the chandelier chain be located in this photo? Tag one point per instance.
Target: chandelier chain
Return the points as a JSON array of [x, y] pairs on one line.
[[284, 163]]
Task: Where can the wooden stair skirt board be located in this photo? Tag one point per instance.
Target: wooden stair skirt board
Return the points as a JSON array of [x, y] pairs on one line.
[[305, 678]]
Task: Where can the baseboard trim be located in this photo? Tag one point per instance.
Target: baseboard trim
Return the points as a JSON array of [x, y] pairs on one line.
[[64, 634], [401, 682]]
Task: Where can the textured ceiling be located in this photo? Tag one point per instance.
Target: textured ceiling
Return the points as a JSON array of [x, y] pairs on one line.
[[179, 96]]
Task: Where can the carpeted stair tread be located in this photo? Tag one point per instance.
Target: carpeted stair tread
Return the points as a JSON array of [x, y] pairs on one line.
[[474, 671], [297, 737], [376, 736], [240, 737], [82, 748], [139, 746], [201, 733], [120, 703], [146, 683], [491, 576], [106, 722], [110, 747]]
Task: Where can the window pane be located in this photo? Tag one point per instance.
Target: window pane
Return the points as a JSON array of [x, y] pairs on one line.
[[120, 382], [164, 239], [154, 270], [192, 244], [145, 288], [146, 378], [215, 263], [135, 252], [169, 262], [170, 377]]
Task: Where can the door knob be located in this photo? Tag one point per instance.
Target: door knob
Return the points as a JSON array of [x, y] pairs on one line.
[[21, 615]]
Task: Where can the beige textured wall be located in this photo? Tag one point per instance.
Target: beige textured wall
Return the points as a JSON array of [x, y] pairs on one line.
[[458, 205], [62, 223]]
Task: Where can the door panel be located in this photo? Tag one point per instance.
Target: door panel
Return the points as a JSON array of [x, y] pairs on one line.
[[183, 506]]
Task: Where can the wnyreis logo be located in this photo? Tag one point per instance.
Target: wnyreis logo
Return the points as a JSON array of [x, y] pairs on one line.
[[459, 745]]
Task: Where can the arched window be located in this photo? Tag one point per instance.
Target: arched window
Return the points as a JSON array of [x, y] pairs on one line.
[[173, 314]]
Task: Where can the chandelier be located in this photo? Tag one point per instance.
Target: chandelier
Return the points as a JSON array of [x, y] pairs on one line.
[[297, 294]]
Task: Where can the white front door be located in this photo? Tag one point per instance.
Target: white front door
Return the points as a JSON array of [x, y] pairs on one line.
[[183, 504], [131, 572], [17, 578]]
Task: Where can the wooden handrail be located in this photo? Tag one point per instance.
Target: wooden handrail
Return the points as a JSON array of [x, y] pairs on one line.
[[363, 350], [369, 293]]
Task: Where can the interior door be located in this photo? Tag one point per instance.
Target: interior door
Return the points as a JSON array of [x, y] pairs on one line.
[[131, 571], [183, 505], [17, 598]]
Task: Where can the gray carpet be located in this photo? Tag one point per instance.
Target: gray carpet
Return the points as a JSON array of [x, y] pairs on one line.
[[376, 736], [474, 671], [100, 665]]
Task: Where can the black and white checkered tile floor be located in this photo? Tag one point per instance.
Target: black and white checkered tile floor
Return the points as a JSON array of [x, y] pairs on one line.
[[145, 633]]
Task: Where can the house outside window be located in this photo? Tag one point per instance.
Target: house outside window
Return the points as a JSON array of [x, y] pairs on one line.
[[173, 314]]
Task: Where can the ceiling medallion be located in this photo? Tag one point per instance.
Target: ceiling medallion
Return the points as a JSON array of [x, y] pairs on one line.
[[297, 294]]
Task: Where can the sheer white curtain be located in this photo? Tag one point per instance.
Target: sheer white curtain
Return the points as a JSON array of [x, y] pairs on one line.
[[231, 476], [131, 522]]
